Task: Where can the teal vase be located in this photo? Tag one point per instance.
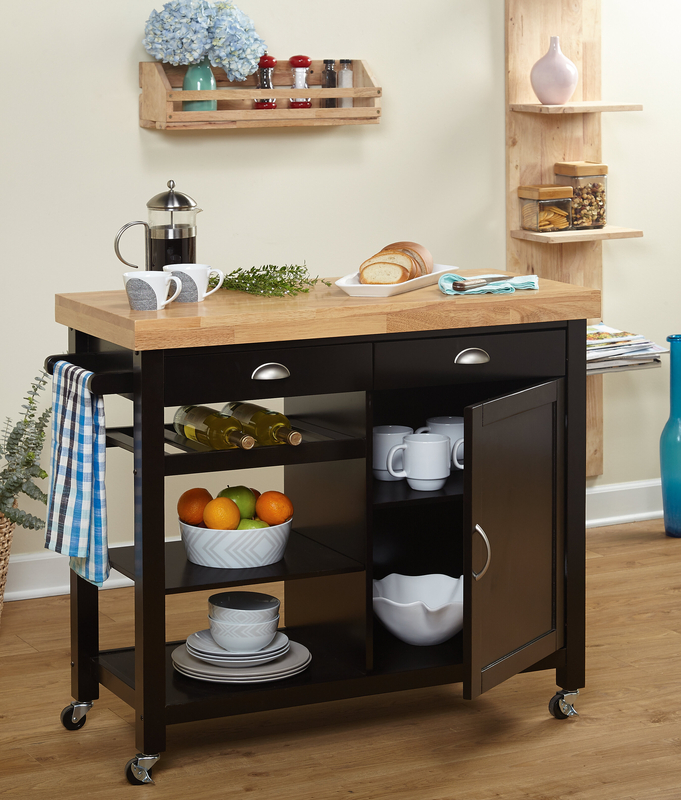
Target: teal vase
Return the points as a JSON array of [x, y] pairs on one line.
[[670, 445], [197, 78]]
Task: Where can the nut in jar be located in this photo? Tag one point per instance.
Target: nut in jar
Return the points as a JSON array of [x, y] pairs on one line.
[[545, 207], [588, 180]]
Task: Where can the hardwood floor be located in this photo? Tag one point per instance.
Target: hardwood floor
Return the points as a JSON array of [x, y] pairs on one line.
[[426, 744]]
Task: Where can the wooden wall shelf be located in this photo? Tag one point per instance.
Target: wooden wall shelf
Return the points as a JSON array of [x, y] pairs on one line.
[[583, 107], [538, 136], [574, 236], [162, 96]]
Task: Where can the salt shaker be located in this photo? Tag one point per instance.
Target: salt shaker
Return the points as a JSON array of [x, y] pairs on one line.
[[345, 81], [266, 67], [299, 67], [329, 77]]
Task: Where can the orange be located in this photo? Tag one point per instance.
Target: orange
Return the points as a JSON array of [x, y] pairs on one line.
[[222, 514], [273, 507], [191, 504]]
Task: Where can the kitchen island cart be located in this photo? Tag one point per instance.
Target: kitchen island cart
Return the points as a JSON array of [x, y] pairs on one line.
[[512, 522]]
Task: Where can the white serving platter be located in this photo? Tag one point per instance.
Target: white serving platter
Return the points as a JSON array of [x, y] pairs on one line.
[[350, 284]]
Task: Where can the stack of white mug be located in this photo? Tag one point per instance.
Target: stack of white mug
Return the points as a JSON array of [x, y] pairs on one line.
[[424, 457]]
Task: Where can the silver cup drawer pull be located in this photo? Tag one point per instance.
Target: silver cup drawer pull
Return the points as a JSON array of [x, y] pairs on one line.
[[270, 372], [472, 355]]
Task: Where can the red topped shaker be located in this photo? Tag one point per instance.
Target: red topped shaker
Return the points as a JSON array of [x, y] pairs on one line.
[[299, 68], [266, 67]]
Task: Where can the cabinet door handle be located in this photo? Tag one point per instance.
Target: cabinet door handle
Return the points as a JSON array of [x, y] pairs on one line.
[[472, 355], [270, 372], [478, 575]]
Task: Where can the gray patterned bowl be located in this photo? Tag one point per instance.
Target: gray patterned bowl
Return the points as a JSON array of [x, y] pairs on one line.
[[243, 638], [243, 607], [256, 547]]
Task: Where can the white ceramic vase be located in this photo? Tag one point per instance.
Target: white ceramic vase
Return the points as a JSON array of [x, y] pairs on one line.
[[554, 77]]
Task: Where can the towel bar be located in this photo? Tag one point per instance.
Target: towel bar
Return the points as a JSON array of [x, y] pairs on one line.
[[106, 378]]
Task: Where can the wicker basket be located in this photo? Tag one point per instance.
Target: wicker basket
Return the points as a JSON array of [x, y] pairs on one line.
[[6, 531]]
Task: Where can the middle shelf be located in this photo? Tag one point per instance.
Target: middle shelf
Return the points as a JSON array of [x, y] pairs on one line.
[[304, 558]]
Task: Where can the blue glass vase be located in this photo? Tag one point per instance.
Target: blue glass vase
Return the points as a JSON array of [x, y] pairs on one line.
[[197, 78], [670, 445]]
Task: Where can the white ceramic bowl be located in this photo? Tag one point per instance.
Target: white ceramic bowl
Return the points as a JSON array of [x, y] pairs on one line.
[[420, 609], [243, 638], [256, 547], [240, 608]]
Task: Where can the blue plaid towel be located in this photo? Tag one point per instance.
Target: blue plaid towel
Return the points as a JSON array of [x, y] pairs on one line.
[[498, 287], [76, 505]]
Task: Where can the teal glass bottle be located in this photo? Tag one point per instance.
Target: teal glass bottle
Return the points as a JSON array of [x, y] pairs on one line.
[[197, 78], [670, 445]]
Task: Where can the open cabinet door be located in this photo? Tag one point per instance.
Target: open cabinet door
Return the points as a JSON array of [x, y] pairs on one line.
[[513, 534]]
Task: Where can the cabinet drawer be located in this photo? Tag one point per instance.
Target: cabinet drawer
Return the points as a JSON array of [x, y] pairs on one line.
[[273, 372], [464, 359]]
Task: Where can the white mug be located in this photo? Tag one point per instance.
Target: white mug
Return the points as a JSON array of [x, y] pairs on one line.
[[194, 279], [148, 291], [385, 437], [427, 460], [448, 426]]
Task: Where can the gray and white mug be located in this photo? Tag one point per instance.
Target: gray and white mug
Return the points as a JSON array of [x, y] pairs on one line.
[[194, 279], [148, 291]]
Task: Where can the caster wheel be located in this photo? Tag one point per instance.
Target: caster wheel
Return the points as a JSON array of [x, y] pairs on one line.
[[138, 769], [559, 706], [67, 720]]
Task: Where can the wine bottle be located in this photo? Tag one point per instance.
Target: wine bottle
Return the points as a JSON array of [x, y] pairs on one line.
[[212, 428], [265, 426]]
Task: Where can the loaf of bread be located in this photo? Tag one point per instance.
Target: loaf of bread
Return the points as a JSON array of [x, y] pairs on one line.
[[388, 266], [418, 252], [396, 263]]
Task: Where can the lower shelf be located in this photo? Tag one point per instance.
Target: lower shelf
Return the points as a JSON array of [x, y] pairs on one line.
[[564, 237], [333, 674]]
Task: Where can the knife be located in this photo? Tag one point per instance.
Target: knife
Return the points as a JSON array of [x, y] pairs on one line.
[[473, 283]]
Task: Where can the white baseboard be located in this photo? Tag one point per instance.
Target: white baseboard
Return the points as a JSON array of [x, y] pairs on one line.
[[46, 573], [617, 503]]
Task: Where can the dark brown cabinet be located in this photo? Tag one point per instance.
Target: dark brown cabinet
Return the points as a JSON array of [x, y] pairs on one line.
[[512, 522]]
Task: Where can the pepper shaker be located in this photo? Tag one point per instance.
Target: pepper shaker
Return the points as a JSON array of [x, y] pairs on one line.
[[329, 78], [266, 67]]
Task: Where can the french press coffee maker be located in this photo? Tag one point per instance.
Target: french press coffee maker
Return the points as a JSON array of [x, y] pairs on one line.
[[170, 233]]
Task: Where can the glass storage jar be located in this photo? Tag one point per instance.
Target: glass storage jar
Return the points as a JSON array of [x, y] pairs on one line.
[[545, 207], [589, 186]]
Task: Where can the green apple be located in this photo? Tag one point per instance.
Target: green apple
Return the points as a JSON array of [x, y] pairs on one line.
[[243, 497], [249, 524]]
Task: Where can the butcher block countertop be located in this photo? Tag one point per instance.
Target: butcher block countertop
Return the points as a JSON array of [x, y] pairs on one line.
[[229, 317]]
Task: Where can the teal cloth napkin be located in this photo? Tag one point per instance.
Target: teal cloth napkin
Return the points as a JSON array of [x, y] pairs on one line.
[[498, 287]]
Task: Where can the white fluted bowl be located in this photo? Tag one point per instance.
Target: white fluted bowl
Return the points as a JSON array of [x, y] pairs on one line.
[[420, 609], [256, 547]]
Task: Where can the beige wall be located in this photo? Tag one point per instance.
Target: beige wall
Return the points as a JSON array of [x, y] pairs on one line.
[[78, 166]]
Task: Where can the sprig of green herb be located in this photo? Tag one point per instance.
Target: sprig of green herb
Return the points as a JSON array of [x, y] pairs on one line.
[[272, 281]]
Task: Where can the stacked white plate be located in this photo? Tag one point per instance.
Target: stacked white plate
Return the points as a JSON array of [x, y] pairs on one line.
[[201, 658]]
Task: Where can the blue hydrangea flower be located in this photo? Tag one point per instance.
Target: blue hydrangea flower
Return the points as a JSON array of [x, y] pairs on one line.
[[236, 47], [181, 32]]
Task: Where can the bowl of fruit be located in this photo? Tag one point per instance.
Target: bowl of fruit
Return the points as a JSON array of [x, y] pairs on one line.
[[239, 528]]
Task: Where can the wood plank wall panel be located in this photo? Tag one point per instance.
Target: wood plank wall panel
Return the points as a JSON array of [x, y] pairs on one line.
[[534, 142]]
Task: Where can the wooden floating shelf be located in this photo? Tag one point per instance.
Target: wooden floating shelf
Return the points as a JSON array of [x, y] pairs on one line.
[[162, 96], [565, 237], [582, 107]]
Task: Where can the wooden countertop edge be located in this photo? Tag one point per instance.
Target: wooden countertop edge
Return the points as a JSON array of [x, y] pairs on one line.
[[325, 314]]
